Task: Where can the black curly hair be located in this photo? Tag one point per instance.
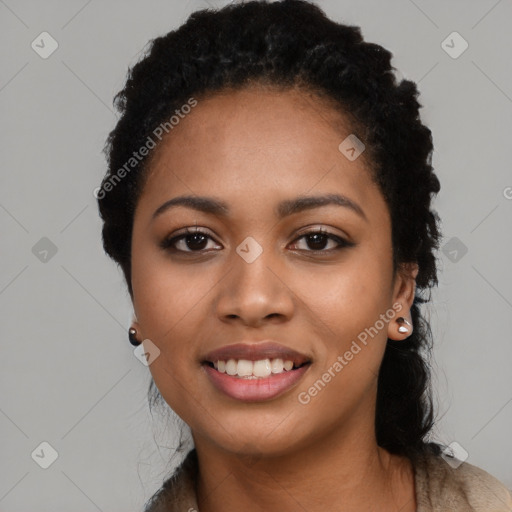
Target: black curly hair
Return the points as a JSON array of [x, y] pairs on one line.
[[292, 44]]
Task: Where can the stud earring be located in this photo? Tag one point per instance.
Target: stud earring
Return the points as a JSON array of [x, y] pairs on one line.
[[403, 328], [131, 336]]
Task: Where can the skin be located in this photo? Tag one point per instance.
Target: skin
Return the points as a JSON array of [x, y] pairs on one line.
[[252, 149]]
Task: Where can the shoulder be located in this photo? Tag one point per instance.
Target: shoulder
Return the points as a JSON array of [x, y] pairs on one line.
[[462, 486], [178, 491]]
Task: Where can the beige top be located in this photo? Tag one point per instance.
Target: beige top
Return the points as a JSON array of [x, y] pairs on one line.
[[439, 488]]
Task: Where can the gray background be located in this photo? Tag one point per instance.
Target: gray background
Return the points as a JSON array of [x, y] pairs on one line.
[[68, 374]]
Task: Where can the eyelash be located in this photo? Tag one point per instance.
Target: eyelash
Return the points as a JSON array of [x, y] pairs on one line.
[[168, 243]]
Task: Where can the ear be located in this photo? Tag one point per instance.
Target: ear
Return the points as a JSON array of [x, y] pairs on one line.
[[403, 297]]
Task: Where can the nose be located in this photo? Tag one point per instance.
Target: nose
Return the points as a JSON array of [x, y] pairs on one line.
[[255, 293]]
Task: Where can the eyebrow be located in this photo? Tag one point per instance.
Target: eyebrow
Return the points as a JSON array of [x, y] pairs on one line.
[[284, 208]]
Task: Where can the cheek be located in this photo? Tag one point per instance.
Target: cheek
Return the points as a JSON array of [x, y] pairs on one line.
[[170, 302], [169, 315], [344, 306], [165, 293], [347, 298]]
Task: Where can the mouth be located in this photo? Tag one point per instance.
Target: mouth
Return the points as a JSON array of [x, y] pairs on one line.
[[259, 369], [255, 371]]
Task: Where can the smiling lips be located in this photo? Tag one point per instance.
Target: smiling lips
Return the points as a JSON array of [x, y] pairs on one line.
[[255, 371]]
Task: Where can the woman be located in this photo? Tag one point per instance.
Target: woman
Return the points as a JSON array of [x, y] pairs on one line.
[[268, 200]]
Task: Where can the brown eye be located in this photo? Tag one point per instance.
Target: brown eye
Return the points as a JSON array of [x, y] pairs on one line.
[[318, 239], [190, 241], [197, 241]]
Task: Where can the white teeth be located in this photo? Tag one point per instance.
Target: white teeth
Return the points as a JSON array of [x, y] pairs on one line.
[[231, 367], [253, 369], [244, 368], [262, 368], [277, 366]]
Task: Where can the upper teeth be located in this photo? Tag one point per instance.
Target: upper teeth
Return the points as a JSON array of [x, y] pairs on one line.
[[248, 369]]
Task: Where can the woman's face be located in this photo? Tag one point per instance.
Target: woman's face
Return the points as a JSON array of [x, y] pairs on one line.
[[252, 275]]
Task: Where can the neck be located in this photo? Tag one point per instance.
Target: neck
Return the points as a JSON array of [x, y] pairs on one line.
[[341, 474]]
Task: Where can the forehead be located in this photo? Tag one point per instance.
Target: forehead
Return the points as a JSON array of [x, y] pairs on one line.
[[257, 120], [258, 140]]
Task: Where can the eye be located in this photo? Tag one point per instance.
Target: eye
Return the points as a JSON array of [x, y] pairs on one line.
[[196, 241], [191, 241], [318, 238]]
